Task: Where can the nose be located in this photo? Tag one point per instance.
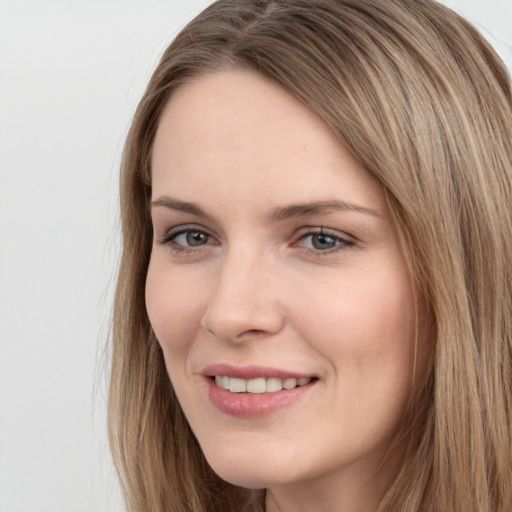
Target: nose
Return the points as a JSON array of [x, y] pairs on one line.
[[244, 301]]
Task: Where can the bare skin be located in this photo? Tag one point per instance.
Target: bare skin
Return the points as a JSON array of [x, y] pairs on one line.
[[274, 250]]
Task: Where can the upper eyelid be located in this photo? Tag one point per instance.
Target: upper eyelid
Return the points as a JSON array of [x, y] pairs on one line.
[[175, 230], [299, 233], [307, 230], [342, 239], [171, 234]]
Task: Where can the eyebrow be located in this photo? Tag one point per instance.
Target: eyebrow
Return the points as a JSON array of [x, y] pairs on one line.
[[182, 206], [320, 208], [281, 213]]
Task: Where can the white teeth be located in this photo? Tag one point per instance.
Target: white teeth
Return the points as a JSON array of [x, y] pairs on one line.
[[223, 382], [274, 384], [256, 386], [237, 385], [259, 385], [289, 383]]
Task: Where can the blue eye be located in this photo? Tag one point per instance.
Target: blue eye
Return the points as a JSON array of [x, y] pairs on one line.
[[191, 238], [323, 241], [187, 239]]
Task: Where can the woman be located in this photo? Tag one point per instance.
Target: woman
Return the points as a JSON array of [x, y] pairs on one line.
[[314, 304]]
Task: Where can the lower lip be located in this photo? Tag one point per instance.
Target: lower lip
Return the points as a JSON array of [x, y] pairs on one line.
[[253, 405]]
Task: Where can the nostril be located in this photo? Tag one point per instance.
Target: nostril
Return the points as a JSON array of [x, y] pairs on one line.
[[241, 320]]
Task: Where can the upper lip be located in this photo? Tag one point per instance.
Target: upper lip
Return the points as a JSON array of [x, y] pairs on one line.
[[251, 372]]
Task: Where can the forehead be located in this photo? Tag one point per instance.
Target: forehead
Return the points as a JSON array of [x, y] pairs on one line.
[[241, 132]]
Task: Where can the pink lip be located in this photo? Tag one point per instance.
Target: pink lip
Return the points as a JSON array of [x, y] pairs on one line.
[[249, 405], [250, 372]]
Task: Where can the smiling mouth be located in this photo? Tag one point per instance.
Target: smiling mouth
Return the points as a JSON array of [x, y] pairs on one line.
[[259, 385]]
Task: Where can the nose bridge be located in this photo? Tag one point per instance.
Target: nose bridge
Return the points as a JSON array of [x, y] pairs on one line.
[[243, 302]]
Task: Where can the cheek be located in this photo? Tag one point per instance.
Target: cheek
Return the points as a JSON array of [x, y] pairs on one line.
[[174, 306], [364, 325], [367, 335]]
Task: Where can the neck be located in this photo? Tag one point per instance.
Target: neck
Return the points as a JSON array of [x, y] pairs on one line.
[[353, 491]]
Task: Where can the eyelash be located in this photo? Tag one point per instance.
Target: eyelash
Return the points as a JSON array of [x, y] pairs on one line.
[[341, 243], [171, 236]]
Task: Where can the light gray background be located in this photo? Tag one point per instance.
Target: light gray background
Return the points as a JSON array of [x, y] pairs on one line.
[[71, 73]]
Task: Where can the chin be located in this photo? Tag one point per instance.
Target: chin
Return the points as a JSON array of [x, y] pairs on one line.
[[247, 480], [252, 469]]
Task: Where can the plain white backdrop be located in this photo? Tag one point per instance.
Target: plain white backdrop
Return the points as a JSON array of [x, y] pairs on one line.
[[71, 73]]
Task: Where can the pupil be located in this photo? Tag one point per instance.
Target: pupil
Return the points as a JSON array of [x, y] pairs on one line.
[[196, 238], [323, 242]]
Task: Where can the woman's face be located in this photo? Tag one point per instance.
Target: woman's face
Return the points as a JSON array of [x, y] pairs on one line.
[[276, 288]]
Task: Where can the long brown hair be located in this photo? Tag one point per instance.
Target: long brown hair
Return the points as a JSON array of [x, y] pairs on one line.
[[421, 100]]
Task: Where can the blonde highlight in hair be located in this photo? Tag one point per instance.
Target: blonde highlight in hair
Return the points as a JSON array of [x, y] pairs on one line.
[[421, 100]]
